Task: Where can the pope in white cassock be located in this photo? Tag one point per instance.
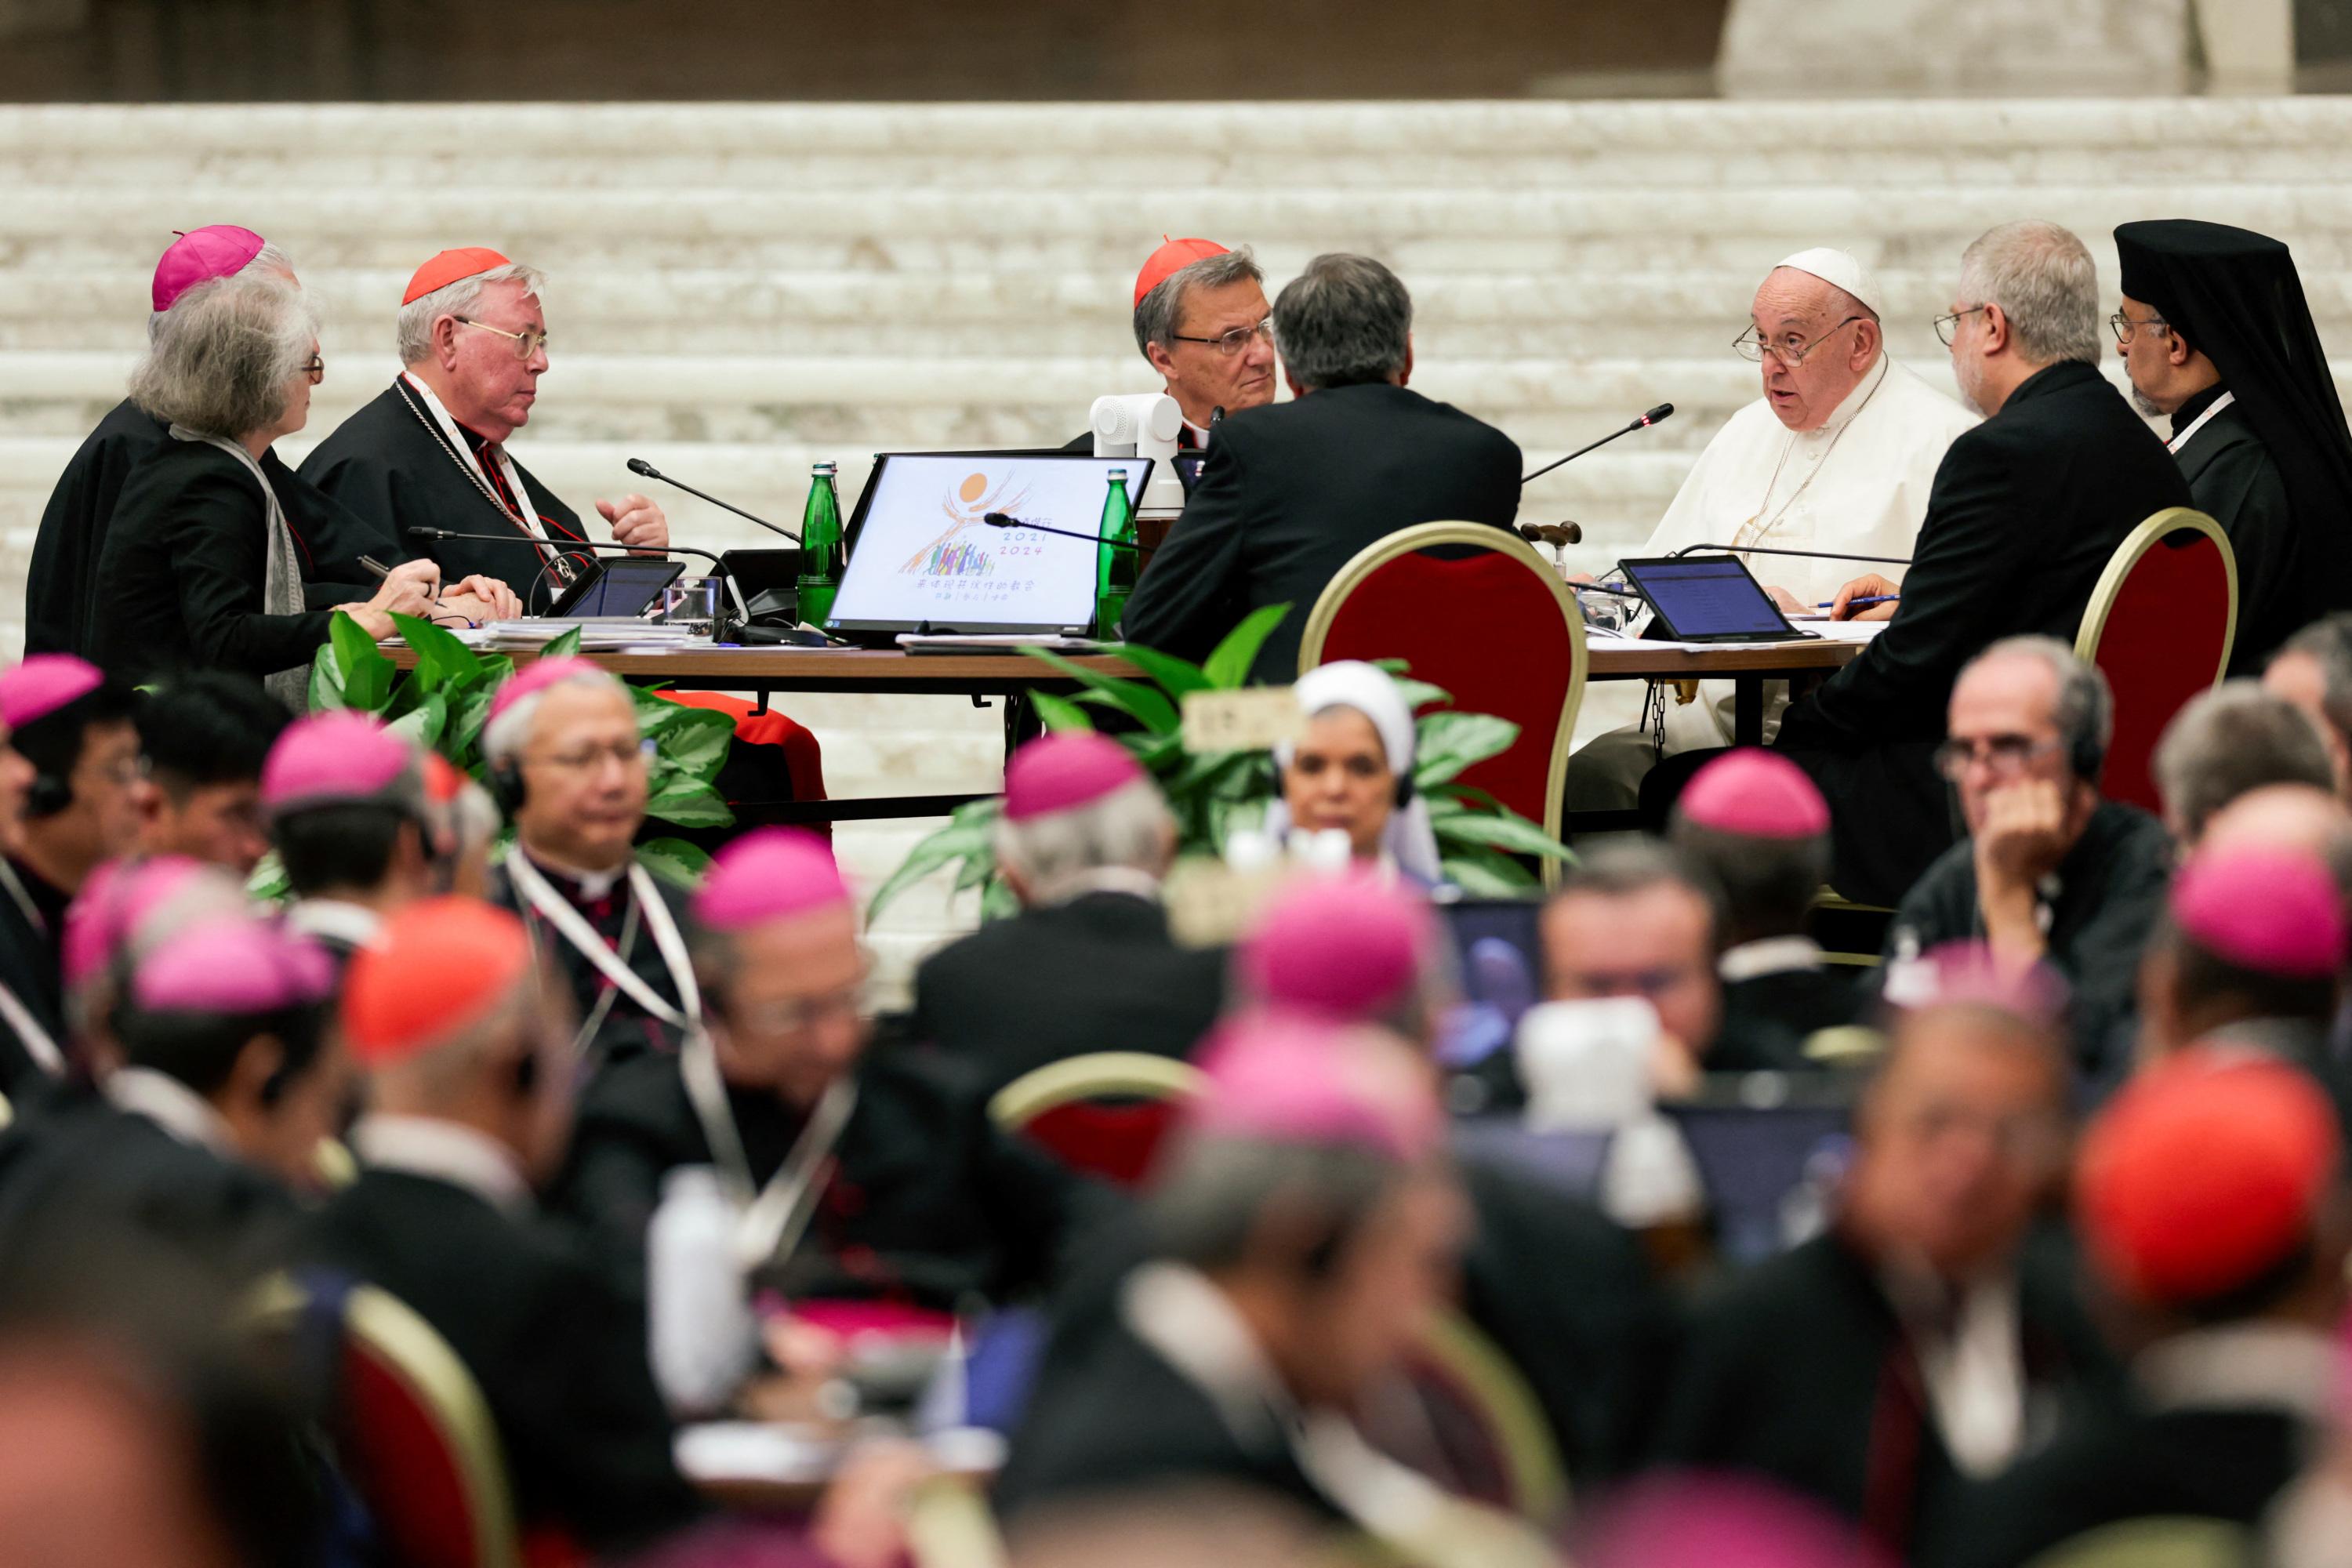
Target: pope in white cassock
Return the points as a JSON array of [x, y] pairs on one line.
[[1837, 455]]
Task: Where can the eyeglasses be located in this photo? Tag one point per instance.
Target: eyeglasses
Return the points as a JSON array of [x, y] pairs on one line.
[[2032, 1137], [1234, 341], [2005, 756], [1752, 346], [2125, 329], [315, 368], [796, 1014], [528, 342], [1949, 327], [583, 759]]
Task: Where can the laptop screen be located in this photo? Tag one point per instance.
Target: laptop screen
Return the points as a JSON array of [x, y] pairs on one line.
[[629, 586], [1708, 597], [922, 552]]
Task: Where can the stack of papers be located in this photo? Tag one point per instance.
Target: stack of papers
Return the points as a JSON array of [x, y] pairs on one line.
[[595, 636], [995, 642]]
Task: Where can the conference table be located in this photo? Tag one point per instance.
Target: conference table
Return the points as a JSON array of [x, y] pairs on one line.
[[759, 672]]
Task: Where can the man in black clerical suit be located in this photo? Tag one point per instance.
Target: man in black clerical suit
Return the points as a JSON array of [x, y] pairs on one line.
[[1292, 491], [2202, 1191], [430, 450], [81, 808], [1923, 1338], [199, 1140], [1753, 824], [2050, 873], [907, 1191], [1089, 963], [570, 766], [1203, 325], [2215, 334], [2024, 514], [470, 1102]]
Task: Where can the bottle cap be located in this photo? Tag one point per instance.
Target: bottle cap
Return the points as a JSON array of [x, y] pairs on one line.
[[1115, 474], [825, 468]]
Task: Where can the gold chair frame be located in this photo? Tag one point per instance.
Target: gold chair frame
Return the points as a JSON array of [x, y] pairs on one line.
[[2137, 543], [1539, 1478], [1481, 536], [1098, 1075]]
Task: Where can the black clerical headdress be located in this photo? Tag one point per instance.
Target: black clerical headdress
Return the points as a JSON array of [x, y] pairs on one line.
[[2236, 297]]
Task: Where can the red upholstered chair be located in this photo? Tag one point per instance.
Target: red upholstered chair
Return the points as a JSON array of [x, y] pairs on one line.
[[794, 742], [1103, 1113], [2159, 625], [1489, 621], [1482, 1434]]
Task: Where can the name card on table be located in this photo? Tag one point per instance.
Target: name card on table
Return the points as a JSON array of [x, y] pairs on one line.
[[1256, 719]]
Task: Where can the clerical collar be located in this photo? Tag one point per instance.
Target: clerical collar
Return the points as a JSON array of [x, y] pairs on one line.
[[2237, 1366], [335, 919], [445, 1152], [171, 1105], [1772, 955], [1107, 879], [2186, 414], [588, 886], [1200, 434]]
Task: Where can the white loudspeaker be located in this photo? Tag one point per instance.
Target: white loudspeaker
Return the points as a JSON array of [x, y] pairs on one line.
[[1143, 424]]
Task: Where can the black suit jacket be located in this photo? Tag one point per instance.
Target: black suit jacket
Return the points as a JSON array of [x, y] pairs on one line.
[[386, 466], [1099, 972], [1800, 1372], [2236, 482], [1768, 1019], [1291, 492], [627, 1029], [560, 1355], [927, 1202], [2025, 511], [181, 576]]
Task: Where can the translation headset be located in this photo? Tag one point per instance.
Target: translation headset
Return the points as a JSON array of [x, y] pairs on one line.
[[48, 793], [506, 784]]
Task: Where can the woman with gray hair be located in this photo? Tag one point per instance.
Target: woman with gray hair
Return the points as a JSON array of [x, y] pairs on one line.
[[201, 569]]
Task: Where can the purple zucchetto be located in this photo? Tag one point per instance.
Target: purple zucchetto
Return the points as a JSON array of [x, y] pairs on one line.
[[44, 683], [771, 874], [121, 899], [1755, 793], [1065, 771], [1344, 948], [340, 758], [2275, 911], [232, 965], [1294, 1080], [201, 255]]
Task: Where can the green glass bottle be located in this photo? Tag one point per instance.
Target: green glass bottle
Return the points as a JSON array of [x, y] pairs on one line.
[[1113, 569], [823, 554]]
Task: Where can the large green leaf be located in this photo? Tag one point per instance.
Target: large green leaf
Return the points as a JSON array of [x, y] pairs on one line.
[[325, 680], [1146, 707], [1448, 742], [367, 673], [674, 860], [997, 901], [423, 724], [561, 647], [461, 738], [442, 661], [1228, 664], [964, 838], [690, 804], [696, 743], [1175, 676], [1421, 694], [1515, 834], [1486, 873], [1059, 712]]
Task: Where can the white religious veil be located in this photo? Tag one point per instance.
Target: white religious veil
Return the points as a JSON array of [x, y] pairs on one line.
[[281, 570], [1410, 841]]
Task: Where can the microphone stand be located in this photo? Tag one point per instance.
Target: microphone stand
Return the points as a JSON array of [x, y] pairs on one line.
[[999, 519], [644, 469], [742, 613], [1641, 423]]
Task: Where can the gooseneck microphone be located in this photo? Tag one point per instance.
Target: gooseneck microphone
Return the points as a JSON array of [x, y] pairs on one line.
[[1810, 554], [999, 519], [567, 547], [644, 469], [1641, 422]]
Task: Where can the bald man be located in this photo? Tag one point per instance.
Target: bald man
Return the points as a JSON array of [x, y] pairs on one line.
[[1837, 455]]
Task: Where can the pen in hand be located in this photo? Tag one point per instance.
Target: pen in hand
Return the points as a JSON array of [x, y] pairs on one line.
[[1861, 604]]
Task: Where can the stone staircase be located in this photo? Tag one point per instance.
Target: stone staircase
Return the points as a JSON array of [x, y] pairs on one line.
[[738, 291]]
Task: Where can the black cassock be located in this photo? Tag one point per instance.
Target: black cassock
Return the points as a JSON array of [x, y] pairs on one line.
[[2236, 482], [2025, 511], [1800, 1372], [31, 932], [62, 603], [559, 1352], [623, 1026], [1098, 972], [924, 1201], [1770, 1016], [389, 464]]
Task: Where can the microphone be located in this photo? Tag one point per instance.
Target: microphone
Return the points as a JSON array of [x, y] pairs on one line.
[[1641, 422], [565, 547], [1217, 416], [999, 519], [1812, 554], [639, 467]]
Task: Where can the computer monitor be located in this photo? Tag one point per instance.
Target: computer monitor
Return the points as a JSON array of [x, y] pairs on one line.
[[1709, 598], [922, 556]]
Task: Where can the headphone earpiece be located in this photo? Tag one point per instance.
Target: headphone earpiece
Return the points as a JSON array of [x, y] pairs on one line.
[[1404, 790], [47, 795], [506, 784]]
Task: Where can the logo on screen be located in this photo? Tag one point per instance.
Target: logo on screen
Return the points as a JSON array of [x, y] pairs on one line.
[[961, 552]]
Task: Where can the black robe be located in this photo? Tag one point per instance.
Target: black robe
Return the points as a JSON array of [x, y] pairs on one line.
[[560, 1355], [1099, 972], [2234, 480], [927, 1202], [30, 959], [62, 605], [385, 464], [2025, 511], [627, 1029], [182, 575], [1800, 1372], [1772, 1016]]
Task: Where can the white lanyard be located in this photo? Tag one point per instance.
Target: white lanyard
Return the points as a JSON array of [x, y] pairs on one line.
[[35, 1038], [574, 929], [2198, 424], [773, 1217], [14, 887], [465, 450]]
